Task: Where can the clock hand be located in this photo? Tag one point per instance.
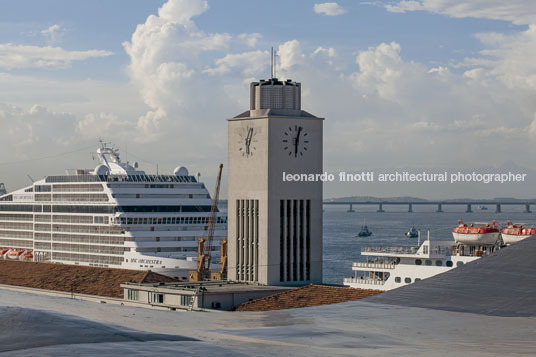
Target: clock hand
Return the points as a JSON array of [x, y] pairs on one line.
[[248, 139], [297, 142]]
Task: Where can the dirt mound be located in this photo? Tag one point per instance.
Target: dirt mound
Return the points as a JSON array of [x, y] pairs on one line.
[[74, 278], [310, 295]]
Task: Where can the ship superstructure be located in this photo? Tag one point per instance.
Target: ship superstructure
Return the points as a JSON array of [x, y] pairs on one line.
[[387, 268], [112, 216]]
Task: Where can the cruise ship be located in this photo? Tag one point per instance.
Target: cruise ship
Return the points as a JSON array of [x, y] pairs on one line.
[[113, 216]]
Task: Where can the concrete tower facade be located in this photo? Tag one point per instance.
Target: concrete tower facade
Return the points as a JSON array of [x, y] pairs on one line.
[[274, 225]]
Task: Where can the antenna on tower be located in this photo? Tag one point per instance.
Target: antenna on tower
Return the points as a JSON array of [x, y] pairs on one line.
[[272, 64], [275, 64]]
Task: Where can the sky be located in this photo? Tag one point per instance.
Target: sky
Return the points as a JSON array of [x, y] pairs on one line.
[[428, 85]]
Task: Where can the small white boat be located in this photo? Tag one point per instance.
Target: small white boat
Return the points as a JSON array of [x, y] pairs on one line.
[[364, 232], [412, 233]]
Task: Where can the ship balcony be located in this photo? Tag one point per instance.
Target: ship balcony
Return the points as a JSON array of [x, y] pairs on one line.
[[371, 265], [389, 250], [364, 281]]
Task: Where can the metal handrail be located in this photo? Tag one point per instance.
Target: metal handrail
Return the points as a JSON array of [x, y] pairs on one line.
[[403, 250], [364, 281], [374, 265]]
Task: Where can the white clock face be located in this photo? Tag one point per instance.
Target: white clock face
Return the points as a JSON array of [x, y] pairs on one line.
[[247, 140], [295, 141]]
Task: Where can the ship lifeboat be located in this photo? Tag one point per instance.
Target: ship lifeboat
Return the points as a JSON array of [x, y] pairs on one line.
[[27, 255], [14, 254], [476, 233], [3, 253], [514, 233]]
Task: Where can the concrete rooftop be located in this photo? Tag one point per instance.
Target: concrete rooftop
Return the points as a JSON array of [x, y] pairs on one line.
[[483, 309]]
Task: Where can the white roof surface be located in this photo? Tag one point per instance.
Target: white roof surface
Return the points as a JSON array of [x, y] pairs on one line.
[[61, 326]]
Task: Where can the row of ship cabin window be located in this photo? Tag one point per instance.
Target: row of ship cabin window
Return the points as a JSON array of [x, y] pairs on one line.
[[170, 220], [406, 280], [428, 262], [437, 262]]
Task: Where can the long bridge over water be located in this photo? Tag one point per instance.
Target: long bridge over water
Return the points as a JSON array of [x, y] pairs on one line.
[[469, 204]]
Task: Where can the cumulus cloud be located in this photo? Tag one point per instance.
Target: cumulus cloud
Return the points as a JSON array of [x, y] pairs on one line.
[[164, 61], [329, 9], [330, 52], [250, 63], [35, 125], [379, 69], [290, 54], [182, 11], [251, 39], [532, 127], [520, 12], [23, 56], [52, 33], [103, 125], [400, 111], [506, 56], [185, 75], [381, 108]]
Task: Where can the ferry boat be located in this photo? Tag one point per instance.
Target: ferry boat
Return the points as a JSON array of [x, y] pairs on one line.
[[113, 216], [514, 233], [476, 233], [387, 268]]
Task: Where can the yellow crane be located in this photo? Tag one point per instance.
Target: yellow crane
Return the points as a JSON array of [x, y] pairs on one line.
[[204, 245]]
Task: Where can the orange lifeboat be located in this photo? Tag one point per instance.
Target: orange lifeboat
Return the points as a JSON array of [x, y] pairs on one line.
[[27, 255], [514, 233], [14, 253], [476, 233], [3, 252]]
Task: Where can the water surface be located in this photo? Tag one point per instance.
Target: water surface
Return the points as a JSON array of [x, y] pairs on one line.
[[341, 247]]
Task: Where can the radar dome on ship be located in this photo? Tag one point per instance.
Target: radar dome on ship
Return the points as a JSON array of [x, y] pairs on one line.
[[102, 170], [180, 171]]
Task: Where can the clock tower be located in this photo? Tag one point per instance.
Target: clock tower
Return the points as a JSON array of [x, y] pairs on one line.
[[274, 225]]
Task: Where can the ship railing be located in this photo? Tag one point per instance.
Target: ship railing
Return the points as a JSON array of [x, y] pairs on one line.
[[374, 265], [395, 250], [364, 281]]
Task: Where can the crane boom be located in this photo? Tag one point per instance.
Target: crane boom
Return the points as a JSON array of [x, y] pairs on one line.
[[205, 244]]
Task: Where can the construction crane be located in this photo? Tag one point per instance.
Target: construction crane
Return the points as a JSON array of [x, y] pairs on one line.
[[204, 245], [221, 274]]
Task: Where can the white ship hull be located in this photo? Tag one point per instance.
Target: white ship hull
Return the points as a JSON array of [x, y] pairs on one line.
[[390, 268], [173, 267], [476, 238], [513, 238]]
